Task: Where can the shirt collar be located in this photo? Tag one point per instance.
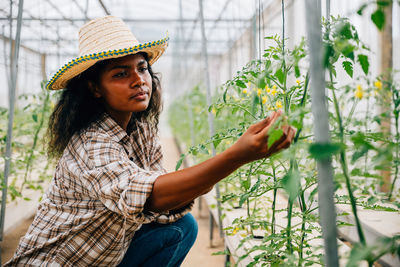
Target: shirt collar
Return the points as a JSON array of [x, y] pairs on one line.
[[110, 126]]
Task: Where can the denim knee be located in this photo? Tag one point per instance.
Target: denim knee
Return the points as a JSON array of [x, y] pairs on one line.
[[189, 226]]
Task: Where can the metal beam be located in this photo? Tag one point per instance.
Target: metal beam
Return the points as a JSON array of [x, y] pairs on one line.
[[74, 41], [81, 9], [129, 20], [104, 7]]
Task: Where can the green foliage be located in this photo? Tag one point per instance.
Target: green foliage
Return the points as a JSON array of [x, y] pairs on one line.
[[29, 165], [281, 82]]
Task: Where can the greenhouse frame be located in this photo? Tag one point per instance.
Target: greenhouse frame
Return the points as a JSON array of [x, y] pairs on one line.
[[331, 198]]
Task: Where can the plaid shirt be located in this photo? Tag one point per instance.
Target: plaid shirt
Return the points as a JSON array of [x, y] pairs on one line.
[[95, 202]]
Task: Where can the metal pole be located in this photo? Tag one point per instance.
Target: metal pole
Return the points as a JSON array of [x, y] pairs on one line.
[[321, 130], [11, 90], [209, 102]]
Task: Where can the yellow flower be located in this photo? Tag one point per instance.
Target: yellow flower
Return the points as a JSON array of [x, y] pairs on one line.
[[245, 91], [264, 99], [274, 86], [278, 104], [248, 84], [378, 84], [298, 82], [267, 89], [359, 92], [214, 111], [270, 107], [228, 142], [273, 91], [235, 230], [258, 91]]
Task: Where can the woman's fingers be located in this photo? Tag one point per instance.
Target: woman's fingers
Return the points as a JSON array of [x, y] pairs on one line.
[[274, 117], [255, 128]]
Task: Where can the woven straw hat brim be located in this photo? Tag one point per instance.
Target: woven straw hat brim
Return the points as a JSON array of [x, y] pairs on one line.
[[78, 65]]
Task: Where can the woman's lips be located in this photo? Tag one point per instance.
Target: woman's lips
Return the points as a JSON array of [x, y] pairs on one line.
[[140, 96]]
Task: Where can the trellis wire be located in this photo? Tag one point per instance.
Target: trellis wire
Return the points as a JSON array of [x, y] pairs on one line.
[[321, 131]]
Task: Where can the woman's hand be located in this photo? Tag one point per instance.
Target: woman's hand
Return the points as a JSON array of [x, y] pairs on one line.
[[253, 144]]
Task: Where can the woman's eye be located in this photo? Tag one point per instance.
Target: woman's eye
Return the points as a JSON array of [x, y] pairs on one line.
[[143, 69], [120, 74]]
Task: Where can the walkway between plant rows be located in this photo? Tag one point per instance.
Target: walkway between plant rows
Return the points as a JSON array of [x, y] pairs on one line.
[[199, 255]]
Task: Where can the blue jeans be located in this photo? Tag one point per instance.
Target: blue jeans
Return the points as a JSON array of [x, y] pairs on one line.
[[161, 245]]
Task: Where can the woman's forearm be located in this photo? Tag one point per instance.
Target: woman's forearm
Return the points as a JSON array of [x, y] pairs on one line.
[[176, 189]]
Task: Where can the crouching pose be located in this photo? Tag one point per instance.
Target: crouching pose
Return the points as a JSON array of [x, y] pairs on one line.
[[110, 202]]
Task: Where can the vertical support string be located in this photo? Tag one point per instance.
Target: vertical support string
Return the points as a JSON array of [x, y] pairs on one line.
[[209, 102]]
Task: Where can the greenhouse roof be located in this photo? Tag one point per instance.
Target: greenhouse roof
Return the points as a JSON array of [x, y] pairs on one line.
[[51, 26]]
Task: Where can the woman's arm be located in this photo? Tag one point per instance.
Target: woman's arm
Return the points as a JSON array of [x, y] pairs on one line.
[[175, 189]]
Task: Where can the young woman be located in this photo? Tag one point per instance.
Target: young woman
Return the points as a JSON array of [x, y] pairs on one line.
[[110, 201]]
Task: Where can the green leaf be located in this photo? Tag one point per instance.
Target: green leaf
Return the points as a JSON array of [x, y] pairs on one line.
[[383, 3], [203, 149], [328, 53], [296, 71], [279, 75], [324, 151], [363, 59], [345, 31], [216, 142], [241, 84], [378, 17], [180, 161], [361, 9], [348, 67], [274, 136], [291, 184], [34, 117], [254, 103]]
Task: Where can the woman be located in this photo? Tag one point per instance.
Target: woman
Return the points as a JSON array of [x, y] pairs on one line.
[[111, 202]]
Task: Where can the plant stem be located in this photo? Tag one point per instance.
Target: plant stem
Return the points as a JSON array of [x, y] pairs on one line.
[[289, 226], [343, 163], [274, 199], [303, 207]]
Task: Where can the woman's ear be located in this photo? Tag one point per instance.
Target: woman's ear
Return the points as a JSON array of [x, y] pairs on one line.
[[94, 89]]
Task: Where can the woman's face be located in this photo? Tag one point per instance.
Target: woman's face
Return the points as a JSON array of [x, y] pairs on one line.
[[125, 86]]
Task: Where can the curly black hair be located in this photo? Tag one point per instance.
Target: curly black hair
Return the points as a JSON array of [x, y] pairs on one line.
[[77, 108]]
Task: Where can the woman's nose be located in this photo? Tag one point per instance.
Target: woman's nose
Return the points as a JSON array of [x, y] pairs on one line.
[[137, 79]]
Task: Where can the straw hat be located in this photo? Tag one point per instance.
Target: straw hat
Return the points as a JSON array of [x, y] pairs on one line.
[[104, 38]]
